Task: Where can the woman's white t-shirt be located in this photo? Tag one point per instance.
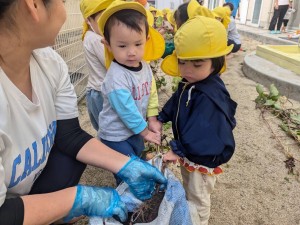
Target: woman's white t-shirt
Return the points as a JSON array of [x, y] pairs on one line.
[[28, 128]]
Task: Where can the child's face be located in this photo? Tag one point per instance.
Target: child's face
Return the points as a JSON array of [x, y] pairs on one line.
[[195, 70], [127, 45]]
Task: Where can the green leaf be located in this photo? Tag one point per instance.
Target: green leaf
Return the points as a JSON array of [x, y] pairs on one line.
[[159, 21], [277, 106], [284, 127], [269, 102], [273, 91], [259, 89], [296, 118]]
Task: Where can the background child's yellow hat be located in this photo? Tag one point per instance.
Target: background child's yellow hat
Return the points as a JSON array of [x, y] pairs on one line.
[[152, 8], [170, 18], [155, 44], [90, 7], [208, 41], [195, 9], [223, 13]]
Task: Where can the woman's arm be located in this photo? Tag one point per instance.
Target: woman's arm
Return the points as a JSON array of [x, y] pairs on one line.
[[97, 154], [48, 208]]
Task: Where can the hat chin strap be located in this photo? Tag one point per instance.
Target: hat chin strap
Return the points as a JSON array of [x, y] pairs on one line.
[[90, 25]]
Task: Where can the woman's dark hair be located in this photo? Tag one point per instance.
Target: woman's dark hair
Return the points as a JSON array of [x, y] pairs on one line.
[[131, 18], [217, 64], [5, 6], [181, 14]]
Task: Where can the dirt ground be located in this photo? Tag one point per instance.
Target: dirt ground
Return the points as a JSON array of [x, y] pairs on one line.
[[255, 187]]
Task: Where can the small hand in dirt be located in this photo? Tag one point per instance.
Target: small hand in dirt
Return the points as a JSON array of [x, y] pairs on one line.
[[170, 156], [154, 125], [96, 201], [151, 136], [141, 177]]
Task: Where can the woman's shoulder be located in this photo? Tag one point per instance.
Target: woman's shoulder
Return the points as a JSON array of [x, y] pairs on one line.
[[46, 53], [51, 64]]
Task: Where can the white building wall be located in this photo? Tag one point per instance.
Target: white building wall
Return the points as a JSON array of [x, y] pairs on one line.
[[171, 4]]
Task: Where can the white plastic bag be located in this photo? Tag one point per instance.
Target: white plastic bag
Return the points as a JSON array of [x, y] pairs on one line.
[[173, 210]]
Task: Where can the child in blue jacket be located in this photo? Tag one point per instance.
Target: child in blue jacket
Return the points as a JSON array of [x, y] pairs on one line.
[[201, 110]]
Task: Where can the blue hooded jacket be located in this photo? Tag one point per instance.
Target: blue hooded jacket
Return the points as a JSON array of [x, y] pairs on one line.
[[202, 116]]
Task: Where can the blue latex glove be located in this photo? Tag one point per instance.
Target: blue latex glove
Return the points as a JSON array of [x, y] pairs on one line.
[[141, 177], [96, 201]]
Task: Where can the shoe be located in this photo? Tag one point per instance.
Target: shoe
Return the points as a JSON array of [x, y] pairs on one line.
[[273, 32], [277, 32]]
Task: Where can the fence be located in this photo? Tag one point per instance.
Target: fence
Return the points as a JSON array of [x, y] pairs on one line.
[[69, 45]]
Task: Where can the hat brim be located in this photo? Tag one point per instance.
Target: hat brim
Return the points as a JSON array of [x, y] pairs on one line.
[[170, 64], [226, 51], [122, 5], [155, 44]]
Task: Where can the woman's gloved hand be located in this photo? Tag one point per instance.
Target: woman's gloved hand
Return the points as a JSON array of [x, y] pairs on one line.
[[97, 201], [141, 177]]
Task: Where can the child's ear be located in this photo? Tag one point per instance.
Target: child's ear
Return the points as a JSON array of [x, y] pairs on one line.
[[105, 42]]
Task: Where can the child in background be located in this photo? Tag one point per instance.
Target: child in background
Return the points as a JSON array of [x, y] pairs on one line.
[[94, 56], [201, 110], [287, 17], [129, 89], [189, 10], [232, 33]]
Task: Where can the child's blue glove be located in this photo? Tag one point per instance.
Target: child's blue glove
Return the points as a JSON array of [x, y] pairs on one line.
[[141, 177], [96, 201]]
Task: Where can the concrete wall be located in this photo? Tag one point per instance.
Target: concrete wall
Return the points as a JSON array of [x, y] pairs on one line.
[[246, 12], [267, 9], [171, 4], [295, 19]]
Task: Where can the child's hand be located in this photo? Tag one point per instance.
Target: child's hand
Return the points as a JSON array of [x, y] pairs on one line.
[[154, 125], [151, 136], [170, 156]]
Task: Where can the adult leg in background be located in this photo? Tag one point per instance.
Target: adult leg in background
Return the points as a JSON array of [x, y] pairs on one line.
[[282, 11], [274, 19]]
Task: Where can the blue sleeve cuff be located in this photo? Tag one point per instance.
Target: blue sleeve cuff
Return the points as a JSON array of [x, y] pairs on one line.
[[176, 148]]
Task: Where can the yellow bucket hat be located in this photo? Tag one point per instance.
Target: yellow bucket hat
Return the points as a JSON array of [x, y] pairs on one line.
[[150, 18], [223, 13], [90, 7], [152, 8], [195, 9], [171, 19], [165, 11], [155, 44], [159, 13], [209, 41]]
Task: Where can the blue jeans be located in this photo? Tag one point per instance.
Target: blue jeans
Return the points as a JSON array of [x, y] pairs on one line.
[[132, 146], [94, 102], [236, 46]]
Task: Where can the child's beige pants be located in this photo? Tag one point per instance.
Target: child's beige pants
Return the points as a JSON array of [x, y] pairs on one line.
[[198, 188]]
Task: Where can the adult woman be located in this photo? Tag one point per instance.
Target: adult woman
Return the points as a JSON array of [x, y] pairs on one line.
[[42, 147]]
